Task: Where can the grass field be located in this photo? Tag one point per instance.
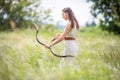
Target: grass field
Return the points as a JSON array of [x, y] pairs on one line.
[[22, 58]]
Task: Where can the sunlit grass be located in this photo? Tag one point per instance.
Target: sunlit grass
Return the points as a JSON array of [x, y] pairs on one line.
[[22, 58]]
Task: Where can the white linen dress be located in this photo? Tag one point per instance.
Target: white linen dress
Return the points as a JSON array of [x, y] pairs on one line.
[[71, 45], [70, 48]]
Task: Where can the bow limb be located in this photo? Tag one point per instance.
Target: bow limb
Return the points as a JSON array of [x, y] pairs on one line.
[[37, 30], [61, 56], [38, 39]]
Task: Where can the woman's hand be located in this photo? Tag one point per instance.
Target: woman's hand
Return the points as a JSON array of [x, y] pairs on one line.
[[47, 46]]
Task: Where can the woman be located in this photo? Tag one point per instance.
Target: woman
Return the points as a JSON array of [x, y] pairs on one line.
[[69, 35]]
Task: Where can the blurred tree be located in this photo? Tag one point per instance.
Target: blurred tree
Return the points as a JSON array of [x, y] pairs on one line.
[[19, 13], [110, 10], [87, 24], [90, 24], [93, 23]]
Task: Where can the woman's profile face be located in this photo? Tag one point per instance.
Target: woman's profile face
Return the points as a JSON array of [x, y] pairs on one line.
[[64, 15]]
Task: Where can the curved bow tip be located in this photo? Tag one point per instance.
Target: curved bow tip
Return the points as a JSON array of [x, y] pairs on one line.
[[36, 26]]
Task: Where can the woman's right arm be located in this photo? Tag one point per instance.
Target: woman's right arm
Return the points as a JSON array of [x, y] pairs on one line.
[[56, 37], [62, 36]]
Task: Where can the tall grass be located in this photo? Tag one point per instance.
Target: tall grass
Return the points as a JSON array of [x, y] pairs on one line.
[[22, 58]]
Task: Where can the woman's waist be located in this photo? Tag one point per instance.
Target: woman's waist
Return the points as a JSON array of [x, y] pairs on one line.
[[70, 38]]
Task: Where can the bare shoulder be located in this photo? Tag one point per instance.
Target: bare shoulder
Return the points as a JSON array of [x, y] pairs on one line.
[[68, 26]]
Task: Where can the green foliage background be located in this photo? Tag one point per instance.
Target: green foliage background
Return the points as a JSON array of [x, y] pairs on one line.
[[21, 13], [110, 10], [22, 58]]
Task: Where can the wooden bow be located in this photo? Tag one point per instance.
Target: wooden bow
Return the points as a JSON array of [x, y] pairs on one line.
[[37, 30]]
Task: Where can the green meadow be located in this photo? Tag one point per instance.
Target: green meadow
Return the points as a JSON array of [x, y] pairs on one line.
[[22, 58]]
